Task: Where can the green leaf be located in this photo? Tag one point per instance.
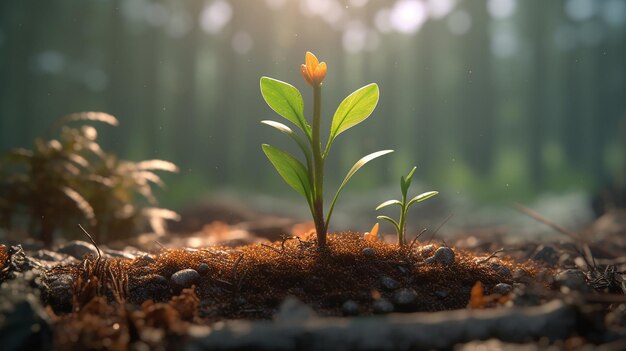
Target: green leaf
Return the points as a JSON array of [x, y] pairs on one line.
[[388, 203], [392, 221], [292, 171], [286, 100], [406, 182], [422, 197], [354, 109], [360, 163], [286, 130]]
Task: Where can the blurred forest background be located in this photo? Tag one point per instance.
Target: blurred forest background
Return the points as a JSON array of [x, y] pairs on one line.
[[498, 99]]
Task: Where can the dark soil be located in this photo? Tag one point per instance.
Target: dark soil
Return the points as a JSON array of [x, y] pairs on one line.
[[157, 300]]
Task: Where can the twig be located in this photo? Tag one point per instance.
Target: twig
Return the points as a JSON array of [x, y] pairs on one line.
[[236, 266], [493, 254], [161, 245], [445, 220], [92, 241], [536, 216], [417, 237]]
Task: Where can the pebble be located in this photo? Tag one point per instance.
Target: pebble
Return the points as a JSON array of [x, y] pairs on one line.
[[404, 298], [119, 254], [545, 254], [502, 288], [147, 258], [389, 284], [159, 279], [443, 255], [48, 255], [184, 278], [203, 268], [574, 279], [77, 249], [369, 252], [350, 308], [382, 306], [60, 293], [502, 271]]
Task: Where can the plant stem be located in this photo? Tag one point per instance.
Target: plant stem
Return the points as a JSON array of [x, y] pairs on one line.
[[318, 166]]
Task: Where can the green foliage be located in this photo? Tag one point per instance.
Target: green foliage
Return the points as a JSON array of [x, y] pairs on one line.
[[70, 180], [400, 224], [308, 178]]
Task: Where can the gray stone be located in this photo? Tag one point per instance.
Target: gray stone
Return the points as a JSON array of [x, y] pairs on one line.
[[203, 268], [77, 249], [443, 255], [147, 258], [24, 323], [545, 254], [369, 252], [47, 255], [184, 278], [159, 279], [502, 271], [404, 298], [350, 308], [389, 284], [294, 310], [382, 306], [574, 279], [59, 293], [119, 254], [502, 288]]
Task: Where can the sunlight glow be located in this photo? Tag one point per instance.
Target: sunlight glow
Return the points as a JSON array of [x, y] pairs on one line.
[[216, 16], [355, 37], [614, 12], [242, 42], [504, 42], [440, 8], [581, 10], [382, 21], [408, 16], [501, 9], [459, 22]]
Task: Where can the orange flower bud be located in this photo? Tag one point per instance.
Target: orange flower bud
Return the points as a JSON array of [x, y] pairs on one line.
[[313, 71]]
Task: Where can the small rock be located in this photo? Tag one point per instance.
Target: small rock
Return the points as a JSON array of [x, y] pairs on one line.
[[350, 308], [293, 310], [369, 252], [147, 258], [159, 279], [502, 271], [382, 306], [545, 254], [404, 298], [574, 279], [502, 288], [443, 255], [389, 284], [59, 293], [184, 278], [118, 254], [203, 268], [77, 249], [47, 255]]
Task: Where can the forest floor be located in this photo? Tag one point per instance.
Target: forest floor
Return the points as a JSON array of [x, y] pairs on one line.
[[252, 289]]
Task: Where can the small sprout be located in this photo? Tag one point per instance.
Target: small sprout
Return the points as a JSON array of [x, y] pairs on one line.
[[372, 235], [400, 225], [308, 178]]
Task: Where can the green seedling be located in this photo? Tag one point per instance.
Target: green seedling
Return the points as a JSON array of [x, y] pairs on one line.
[[400, 225], [308, 178]]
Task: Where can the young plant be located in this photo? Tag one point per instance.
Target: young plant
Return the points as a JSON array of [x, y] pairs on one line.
[[308, 178], [400, 225]]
